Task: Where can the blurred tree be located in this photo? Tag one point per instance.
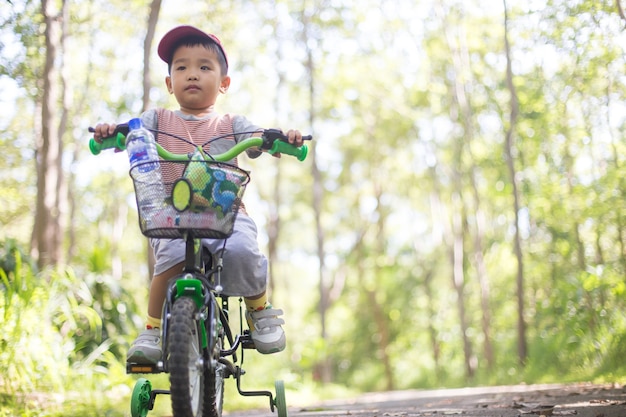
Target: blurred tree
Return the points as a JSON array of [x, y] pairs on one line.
[[51, 207], [310, 36], [458, 149], [510, 152]]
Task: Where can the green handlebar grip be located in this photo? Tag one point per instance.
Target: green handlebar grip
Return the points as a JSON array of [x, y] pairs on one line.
[[118, 141], [289, 149]]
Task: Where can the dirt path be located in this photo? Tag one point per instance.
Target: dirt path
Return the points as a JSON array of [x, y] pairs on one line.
[[579, 400]]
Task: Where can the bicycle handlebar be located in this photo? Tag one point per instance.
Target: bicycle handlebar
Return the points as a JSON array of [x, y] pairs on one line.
[[272, 140]]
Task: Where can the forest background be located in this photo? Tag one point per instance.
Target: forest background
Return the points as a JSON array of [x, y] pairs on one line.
[[459, 221]]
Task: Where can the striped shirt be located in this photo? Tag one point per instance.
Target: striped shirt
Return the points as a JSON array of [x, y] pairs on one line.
[[199, 131]]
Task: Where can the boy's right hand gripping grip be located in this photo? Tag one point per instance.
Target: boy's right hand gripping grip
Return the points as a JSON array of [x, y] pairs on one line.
[[275, 141], [118, 141]]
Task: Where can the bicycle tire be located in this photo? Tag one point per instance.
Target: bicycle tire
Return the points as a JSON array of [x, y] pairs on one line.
[[140, 399], [188, 389], [281, 403], [214, 378], [214, 401]]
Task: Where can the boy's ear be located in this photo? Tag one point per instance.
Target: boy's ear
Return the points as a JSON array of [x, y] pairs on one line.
[[224, 84], [168, 83]]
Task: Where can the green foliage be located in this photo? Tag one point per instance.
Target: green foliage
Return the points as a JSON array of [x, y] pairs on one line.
[[410, 108], [52, 341], [11, 253]]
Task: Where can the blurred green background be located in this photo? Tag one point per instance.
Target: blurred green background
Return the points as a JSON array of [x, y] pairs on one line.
[[460, 220]]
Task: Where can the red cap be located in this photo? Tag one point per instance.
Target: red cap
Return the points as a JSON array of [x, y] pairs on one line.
[[171, 38]]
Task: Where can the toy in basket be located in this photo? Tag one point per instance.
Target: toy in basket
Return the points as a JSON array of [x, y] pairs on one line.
[[208, 186], [199, 194]]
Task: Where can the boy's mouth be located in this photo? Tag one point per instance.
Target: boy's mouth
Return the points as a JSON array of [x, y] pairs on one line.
[[192, 87]]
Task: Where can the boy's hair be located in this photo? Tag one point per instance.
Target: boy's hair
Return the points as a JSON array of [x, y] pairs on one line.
[[198, 41]]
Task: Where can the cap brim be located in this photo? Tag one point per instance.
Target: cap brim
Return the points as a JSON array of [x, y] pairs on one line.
[[171, 38]]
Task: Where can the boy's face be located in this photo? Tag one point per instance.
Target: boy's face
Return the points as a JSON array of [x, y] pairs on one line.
[[196, 79]]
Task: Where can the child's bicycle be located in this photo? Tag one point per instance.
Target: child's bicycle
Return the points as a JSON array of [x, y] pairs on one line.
[[199, 197]]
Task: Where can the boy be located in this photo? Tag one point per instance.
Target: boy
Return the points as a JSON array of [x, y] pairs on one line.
[[198, 73]]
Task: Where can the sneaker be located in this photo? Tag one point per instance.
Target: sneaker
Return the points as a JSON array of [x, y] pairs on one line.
[[146, 349], [266, 331]]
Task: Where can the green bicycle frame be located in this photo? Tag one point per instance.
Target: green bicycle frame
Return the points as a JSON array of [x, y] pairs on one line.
[[192, 288]]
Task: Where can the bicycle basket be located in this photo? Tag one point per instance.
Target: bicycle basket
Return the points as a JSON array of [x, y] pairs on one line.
[[197, 195]]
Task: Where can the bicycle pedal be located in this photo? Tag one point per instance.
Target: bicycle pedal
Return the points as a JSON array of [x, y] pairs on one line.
[[139, 368], [246, 340]]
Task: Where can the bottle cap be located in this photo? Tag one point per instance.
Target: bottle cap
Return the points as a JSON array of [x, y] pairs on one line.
[[135, 124]]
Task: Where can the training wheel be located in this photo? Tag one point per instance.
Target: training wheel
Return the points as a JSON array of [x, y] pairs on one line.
[[140, 401], [279, 401]]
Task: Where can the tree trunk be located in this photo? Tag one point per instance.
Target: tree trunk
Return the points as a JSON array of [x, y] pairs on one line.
[[47, 237], [457, 255], [436, 208], [153, 18], [273, 229], [325, 370], [615, 160], [380, 318], [273, 223], [509, 152], [460, 61], [66, 101], [382, 325], [435, 344]]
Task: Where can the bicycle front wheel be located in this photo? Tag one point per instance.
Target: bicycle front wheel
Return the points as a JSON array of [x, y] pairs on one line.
[[214, 401], [186, 364], [215, 373]]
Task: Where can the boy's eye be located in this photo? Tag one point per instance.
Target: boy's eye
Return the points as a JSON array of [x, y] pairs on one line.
[[205, 68], [180, 68]]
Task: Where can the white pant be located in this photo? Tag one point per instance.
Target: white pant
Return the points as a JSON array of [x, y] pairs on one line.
[[245, 267]]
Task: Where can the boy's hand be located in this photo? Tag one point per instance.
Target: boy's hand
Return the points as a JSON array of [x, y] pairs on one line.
[[103, 130], [294, 137]]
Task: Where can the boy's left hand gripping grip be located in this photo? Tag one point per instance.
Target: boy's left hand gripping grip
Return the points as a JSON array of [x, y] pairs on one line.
[[118, 141]]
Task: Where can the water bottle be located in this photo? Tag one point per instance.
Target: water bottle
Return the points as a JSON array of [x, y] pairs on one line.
[[141, 147], [146, 172]]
